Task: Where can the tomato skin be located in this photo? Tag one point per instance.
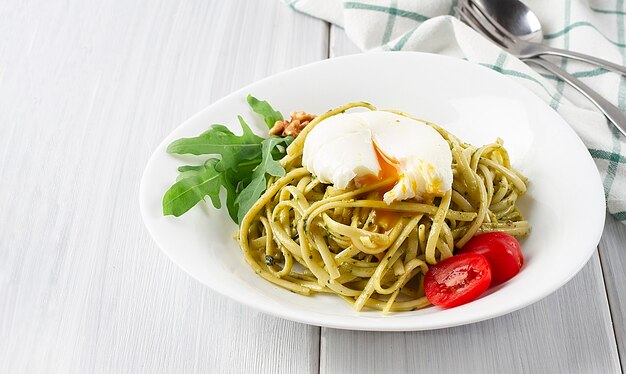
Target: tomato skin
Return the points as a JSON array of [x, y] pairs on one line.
[[457, 280], [501, 250]]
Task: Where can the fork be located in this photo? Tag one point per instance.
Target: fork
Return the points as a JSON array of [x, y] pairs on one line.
[[492, 30]]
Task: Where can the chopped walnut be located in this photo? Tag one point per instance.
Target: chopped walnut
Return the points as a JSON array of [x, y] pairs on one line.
[[293, 126]]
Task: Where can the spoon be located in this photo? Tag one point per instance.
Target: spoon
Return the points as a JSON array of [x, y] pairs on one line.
[[491, 29], [523, 23]]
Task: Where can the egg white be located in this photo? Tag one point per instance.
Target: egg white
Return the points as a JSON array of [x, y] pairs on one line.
[[343, 147]]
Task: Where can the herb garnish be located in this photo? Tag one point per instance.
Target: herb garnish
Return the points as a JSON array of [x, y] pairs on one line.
[[238, 163]]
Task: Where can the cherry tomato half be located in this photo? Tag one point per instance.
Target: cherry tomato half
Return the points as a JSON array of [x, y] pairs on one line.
[[457, 280], [501, 250]]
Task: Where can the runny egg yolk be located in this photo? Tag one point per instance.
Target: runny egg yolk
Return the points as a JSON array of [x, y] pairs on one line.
[[386, 218], [389, 170], [366, 148]]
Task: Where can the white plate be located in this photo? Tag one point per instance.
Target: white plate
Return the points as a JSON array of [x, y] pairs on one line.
[[564, 203]]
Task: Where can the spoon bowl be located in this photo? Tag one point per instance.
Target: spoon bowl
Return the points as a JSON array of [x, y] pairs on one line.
[[518, 19]]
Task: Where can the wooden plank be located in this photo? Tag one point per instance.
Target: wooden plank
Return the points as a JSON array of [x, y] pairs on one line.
[[613, 258], [88, 89], [568, 332], [340, 44]]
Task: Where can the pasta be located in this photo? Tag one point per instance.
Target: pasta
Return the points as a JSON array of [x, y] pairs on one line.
[[309, 237]]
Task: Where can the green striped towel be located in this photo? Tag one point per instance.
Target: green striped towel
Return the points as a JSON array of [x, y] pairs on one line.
[[594, 27]]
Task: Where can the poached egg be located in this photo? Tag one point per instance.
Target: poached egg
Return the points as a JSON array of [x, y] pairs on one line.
[[368, 147]]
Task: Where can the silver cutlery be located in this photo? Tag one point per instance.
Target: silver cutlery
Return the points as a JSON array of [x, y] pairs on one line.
[[503, 35], [522, 22]]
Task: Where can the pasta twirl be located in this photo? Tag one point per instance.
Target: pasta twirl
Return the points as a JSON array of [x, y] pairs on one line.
[[310, 237]]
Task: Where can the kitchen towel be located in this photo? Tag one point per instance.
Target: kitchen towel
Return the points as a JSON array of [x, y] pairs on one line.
[[594, 27]]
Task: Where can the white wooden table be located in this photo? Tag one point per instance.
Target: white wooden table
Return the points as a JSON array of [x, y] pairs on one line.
[[87, 90]]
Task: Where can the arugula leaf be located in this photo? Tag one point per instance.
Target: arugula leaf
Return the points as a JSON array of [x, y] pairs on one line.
[[186, 168], [281, 149], [270, 116], [219, 140], [238, 163], [189, 171], [234, 181], [187, 192], [251, 193], [271, 166], [232, 187]]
